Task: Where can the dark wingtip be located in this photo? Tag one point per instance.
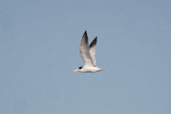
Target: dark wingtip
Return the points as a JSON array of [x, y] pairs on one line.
[[84, 38], [95, 38], [85, 33], [93, 43]]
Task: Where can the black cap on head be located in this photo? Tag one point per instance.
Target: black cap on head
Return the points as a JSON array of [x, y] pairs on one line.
[[80, 67]]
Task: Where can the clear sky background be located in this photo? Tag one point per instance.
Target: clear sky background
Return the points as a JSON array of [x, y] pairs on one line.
[[39, 49]]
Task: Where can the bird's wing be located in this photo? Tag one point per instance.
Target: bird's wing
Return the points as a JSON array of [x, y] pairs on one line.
[[92, 50], [84, 51]]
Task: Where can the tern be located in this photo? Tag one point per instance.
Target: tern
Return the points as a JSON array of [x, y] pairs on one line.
[[87, 53]]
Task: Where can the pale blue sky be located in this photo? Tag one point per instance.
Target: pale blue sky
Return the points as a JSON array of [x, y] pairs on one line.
[[39, 48]]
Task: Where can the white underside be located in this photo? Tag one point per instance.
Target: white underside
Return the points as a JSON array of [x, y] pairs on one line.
[[90, 69]]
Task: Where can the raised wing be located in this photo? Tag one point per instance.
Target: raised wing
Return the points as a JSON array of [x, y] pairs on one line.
[[92, 50], [84, 51]]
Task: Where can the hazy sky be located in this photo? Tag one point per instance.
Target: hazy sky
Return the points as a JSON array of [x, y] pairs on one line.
[[39, 49]]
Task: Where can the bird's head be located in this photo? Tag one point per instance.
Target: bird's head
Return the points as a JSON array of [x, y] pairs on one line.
[[78, 69]]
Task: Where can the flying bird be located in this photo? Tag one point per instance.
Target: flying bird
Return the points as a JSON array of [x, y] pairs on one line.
[[87, 53]]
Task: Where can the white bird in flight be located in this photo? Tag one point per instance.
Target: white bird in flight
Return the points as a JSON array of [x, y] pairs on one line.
[[87, 53]]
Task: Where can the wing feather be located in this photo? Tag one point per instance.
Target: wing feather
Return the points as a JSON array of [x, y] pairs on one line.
[[84, 51], [93, 50]]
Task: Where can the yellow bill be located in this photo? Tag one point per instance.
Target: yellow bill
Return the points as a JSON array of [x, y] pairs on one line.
[[76, 70]]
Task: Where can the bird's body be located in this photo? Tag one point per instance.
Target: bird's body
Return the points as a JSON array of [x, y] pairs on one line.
[[87, 53], [90, 69]]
